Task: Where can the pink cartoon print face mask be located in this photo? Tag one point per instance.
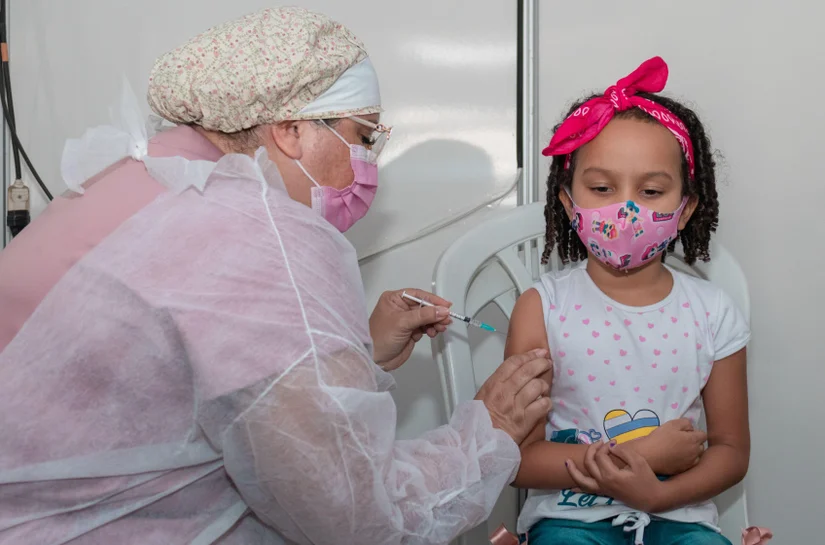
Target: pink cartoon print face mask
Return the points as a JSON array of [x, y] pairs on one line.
[[626, 235]]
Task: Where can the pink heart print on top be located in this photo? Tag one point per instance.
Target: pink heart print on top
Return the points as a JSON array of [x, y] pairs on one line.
[[626, 235]]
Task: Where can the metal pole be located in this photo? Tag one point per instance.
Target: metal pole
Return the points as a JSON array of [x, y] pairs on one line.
[[529, 189], [529, 184]]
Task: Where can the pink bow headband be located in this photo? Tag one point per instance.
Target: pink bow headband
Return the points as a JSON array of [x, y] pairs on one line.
[[592, 117]]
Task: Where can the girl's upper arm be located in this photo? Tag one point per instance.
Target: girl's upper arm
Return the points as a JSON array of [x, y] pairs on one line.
[[726, 402], [527, 330]]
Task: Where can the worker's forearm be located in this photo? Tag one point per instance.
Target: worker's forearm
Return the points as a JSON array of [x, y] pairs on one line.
[[721, 467]]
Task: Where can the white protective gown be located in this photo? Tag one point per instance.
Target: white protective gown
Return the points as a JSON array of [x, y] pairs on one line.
[[204, 375]]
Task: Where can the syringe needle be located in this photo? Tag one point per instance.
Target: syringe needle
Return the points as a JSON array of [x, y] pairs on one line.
[[465, 319]]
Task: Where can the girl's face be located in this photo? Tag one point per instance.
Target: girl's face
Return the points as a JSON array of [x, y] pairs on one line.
[[630, 160]]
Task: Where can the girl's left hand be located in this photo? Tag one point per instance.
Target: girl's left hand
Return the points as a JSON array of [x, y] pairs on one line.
[[634, 485]]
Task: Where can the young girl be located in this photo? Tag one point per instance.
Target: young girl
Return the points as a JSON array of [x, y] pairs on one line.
[[638, 347]]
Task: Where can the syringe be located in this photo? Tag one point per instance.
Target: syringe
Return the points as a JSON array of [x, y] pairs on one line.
[[466, 319]]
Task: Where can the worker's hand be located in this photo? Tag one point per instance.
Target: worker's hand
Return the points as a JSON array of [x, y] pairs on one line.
[[516, 393], [397, 324]]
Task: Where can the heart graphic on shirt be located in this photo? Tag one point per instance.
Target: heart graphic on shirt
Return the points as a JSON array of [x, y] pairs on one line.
[[627, 322], [650, 326], [572, 388], [675, 369], [578, 307], [674, 319], [641, 339], [566, 335], [662, 310], [591, 378], [585, 411], [707, 314], [686, 305], [674, 351], [609, 308], [595, 334], [696, 323], [612, 382], [552, 307], [562, 354], [597, 399], [655, 365], [623, 353], [664, 336], [562, 318], [606, 323], [684, 389], [586, 321], [616, 337], [561, 403], [674, 406], [621, 427], [607, 362], [657, 352], [663, 387], [576, 421], [687, 334], [571, 372], [590, 351], [636, 389], [698, 346], [650, 400]]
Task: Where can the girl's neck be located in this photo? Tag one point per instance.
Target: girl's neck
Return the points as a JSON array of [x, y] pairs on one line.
[[640, 287]]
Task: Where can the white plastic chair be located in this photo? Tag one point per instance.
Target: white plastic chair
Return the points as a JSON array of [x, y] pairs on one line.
[[495, 263]]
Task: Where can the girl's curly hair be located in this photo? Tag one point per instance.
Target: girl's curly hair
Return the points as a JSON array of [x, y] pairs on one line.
[[695, 236]]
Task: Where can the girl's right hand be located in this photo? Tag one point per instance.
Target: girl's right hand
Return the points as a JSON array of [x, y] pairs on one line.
[[673, 448]]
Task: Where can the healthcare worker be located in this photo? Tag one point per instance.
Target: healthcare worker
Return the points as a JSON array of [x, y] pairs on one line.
[[185, 351]]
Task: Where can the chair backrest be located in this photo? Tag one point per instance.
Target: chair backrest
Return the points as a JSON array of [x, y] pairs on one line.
[[495, 263]]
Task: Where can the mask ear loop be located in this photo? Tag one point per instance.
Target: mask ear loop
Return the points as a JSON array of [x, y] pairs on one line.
[[301, 166], [341, 138], [307, 174]]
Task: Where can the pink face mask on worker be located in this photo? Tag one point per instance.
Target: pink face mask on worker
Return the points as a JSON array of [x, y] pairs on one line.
[[344, 207]]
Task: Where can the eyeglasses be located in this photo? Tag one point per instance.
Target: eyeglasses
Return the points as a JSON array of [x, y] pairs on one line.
[[380, 135]]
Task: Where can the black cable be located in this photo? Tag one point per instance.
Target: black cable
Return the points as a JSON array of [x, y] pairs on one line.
[[12, 122], [8, 112], [5, 90]]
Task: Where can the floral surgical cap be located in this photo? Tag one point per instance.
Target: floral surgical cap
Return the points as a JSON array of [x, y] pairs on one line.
[[263, 68]]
